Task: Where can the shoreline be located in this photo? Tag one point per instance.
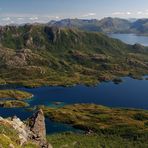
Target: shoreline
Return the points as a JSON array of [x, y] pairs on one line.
[[115, 80]]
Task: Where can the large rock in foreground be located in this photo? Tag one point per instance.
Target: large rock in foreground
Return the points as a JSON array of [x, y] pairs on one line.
[[38, 129], [33, 132]]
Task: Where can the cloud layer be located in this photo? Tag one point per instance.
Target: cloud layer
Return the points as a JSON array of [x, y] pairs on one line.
[[13, 18], [18, 18], [6, 19], [136, 14]]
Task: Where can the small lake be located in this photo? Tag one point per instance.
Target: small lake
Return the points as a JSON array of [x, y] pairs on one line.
[[130, 38], [130, 93]]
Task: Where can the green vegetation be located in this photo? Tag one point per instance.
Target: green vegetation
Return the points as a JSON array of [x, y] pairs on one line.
[[73, 140], [13, 104], [127, 124], [37, 55], [15, 94], [6, 97], [30, 145], [98, 118], [9, 137]]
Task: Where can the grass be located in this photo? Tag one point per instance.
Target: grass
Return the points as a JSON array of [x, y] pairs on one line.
[[5, 141], [30, 145], [6, 97], [9, 136], [56, 56], [73, 140], [105, 127], [126, 123], [15, 94], [13, 104]]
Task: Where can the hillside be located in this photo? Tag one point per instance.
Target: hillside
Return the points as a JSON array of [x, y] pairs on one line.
[[140, 26], [103, 126], [86, 25], [34, 55], [106, 25], [113, 25]]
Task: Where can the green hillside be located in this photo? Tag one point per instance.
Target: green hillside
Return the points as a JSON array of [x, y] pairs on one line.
[[34, 55], [103, 126]]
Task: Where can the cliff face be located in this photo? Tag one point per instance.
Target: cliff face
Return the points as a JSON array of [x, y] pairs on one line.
[[33, 132]]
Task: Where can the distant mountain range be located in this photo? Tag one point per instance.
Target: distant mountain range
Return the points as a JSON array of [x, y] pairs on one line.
[[106, 25]]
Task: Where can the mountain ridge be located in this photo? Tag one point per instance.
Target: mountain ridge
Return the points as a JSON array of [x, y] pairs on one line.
[[106, 25], [33, 55]]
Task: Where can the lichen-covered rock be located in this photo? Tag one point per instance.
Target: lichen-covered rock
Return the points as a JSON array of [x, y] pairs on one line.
[[38, 129], [19, 126], [22, 129], [34, 131]]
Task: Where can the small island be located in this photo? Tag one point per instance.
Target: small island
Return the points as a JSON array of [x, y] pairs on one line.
[[14, 98], [13, 104], [15, 94]]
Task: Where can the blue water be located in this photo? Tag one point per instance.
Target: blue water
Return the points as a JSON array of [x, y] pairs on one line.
[[131, 38], [130, 93]]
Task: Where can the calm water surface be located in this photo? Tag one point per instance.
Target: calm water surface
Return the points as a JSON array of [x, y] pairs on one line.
[[131, 93], [131, 38]]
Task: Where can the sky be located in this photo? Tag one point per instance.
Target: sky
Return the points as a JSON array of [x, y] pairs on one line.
[[29, 11]]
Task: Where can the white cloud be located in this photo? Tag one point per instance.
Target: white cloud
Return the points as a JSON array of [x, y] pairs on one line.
[[139, 12], [128, 13], [89, 14], [134, 14], [20, 18], [12, 22], [122, 13], [6, 19], [118, 13], [142, 13], [57, 17], [34, 18]]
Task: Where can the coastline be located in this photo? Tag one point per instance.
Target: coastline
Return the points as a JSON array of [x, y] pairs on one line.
[[115, 79]]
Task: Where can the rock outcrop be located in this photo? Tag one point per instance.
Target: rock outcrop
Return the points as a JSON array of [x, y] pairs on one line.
[[33, 129], [21, 128], [38, 129]]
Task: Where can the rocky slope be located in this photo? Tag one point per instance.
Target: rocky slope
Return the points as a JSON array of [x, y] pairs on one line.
[[31, 133], [34, 55]]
